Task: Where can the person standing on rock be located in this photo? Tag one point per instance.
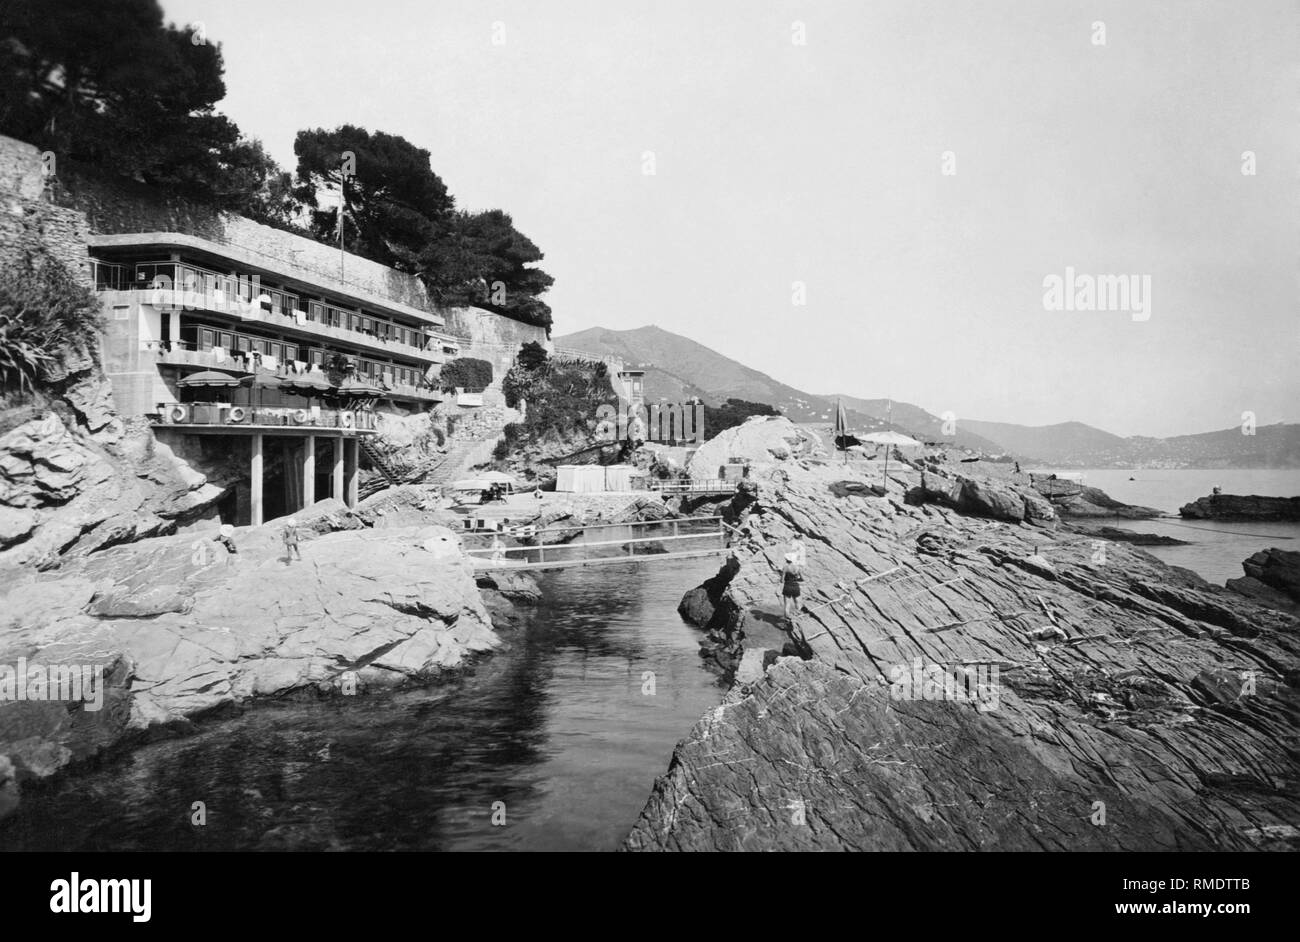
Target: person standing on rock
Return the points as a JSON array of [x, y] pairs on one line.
[[291, 539], [791, 577], [225, 536]]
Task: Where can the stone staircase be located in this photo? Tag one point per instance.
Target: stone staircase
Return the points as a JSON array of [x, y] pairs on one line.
[[379, 463]]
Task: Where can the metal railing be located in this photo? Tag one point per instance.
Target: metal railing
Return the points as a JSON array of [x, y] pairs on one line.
[[714, 486], [674, 539]]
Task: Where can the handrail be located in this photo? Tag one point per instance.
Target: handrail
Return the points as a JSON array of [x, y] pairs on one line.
[[605, 526]]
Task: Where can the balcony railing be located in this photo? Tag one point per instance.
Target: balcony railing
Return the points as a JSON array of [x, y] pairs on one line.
[[189, 287]]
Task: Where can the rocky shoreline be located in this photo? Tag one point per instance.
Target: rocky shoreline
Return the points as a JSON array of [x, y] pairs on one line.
[[382, 598], [1236, 507], [1066, 697]]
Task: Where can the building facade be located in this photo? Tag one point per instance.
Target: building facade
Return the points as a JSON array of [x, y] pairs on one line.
[[285, 369]]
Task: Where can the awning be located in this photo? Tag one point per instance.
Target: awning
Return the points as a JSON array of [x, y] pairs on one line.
[[472, 484], [209, 378], [499, 477]]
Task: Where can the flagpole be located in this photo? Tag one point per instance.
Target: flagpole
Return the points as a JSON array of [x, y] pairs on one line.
[[889, 420]]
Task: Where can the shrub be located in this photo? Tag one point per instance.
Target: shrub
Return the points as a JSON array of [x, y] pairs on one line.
[[45, 314], [733, 412], [532, 356], [466, 373]]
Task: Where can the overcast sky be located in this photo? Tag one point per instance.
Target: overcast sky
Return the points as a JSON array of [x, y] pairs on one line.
[[821, 163]]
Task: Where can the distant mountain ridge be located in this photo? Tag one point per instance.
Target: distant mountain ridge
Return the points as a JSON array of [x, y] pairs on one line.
[[678, 368]]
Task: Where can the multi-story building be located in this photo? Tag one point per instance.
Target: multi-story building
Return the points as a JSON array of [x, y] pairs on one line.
[[248, 357]]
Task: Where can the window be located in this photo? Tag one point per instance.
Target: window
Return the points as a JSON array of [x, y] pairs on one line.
[[316, 312], [274, 350], [261, 346], [207, 339], [318, 357], [290, 351], [243, 343]]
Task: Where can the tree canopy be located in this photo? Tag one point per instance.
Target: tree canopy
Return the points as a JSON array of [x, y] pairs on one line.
[[137, 99], [394, 203], [108, 83]]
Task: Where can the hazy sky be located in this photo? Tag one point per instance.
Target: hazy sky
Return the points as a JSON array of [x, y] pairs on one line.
[[821, 163]]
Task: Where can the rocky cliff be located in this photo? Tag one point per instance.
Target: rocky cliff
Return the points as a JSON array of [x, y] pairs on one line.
[[72, 482], [969, 682]]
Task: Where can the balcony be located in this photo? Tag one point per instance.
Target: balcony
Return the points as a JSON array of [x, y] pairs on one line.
[[176, 286], [406, 391], [179, 353]]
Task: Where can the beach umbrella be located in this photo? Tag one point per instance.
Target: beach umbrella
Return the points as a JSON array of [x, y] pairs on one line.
[[355, 388], [311, 384], [209, 378], [889, 440], [262, 379], [892, 439]]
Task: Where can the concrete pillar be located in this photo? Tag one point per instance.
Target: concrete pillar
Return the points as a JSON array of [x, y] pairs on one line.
[[255, 482], [309, 472], [338, 469], [353, 470]]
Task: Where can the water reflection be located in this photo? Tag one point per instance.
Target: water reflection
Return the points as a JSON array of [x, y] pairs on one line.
[[557, 728]]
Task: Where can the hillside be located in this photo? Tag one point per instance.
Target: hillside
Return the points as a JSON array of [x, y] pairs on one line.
[[677, 368], [1071, 443]]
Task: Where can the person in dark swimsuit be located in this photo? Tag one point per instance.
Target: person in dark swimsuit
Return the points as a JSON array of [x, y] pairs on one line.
[[791, 577]]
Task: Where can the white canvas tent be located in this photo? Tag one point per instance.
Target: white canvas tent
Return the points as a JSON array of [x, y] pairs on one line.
[[580, 478]]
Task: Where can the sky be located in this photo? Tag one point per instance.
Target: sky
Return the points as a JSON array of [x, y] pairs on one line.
[[799, 218]]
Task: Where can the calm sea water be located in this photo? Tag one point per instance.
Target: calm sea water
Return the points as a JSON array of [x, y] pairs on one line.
[[558, 728], [1218, 547]]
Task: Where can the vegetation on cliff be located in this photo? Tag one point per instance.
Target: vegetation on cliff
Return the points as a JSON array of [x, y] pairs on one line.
[[563, 401], [465, 373], [45, 317], [733, 412]]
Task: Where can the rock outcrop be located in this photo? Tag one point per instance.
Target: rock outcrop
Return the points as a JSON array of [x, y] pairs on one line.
[[982, 497], [1120, 535], [1272, 576], [183, 630], [760, 441], [1235, 507], [68, 491], [977, 683], [1094, 502]]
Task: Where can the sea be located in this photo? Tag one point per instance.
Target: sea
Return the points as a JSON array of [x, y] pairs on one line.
[[1217, 547]]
